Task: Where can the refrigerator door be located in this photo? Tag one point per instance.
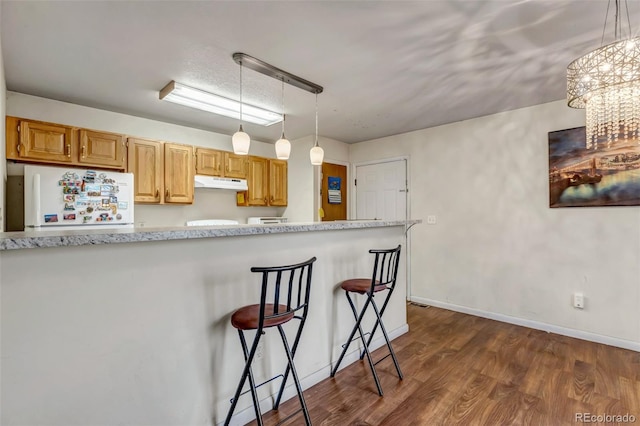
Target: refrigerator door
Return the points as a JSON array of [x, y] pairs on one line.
[[65, 197]]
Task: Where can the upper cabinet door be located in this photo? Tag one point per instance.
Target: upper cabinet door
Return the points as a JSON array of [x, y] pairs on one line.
[[235, 166], [257, 194], [145, 162], [209, 162], [101, 148], [278, 183], [41, 141], [178, 173]]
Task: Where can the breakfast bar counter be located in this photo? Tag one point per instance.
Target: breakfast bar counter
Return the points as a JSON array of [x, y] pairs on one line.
[[132, 326]]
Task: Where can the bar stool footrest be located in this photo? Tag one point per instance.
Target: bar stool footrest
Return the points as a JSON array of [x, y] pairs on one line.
[[382, 359], [257, 386], [354, 339]]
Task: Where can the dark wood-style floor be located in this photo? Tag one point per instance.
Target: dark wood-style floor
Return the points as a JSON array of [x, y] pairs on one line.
[[461, 369]]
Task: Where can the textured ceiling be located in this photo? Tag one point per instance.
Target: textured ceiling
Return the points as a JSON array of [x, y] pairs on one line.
[[387, 67]]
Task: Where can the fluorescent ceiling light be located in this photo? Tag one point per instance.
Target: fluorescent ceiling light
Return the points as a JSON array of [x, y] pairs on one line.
[[199, 99]]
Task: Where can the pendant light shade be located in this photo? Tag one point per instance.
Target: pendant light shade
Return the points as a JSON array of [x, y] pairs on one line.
[[283, 146], [240, 140], [316, 155]]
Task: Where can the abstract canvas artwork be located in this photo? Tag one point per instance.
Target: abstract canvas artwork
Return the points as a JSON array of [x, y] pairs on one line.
[[578, 177]]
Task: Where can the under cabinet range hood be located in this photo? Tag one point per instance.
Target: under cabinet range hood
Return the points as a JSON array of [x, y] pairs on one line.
[[214, 182]]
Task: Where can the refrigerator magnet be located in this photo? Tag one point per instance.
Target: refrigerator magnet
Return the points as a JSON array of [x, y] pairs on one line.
[[86, 219], [69, 216], [122, 205], [118, 216], [69, 206], [69, 198], [50, 218], [105, 202], [113, 200], [89, 209]]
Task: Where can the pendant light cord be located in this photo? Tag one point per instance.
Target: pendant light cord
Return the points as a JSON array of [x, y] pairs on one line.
[[240, 94], [284, 116], [316, 120]]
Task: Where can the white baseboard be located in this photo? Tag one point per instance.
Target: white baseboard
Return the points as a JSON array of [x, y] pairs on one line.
[[248, 414], [564, 331]]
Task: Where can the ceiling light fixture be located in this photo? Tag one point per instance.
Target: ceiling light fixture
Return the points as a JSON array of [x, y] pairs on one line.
[[240, 140], [316, 155], [195, 98], [606, 82], [283, 146]]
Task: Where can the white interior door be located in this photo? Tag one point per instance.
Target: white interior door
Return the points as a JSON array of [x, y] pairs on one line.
[[381, 191]]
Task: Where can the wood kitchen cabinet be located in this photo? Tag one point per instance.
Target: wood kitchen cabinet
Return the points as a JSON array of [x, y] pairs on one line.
[[40, 142], [209, 162], [235, 166], [178, 173], [267, 182], [50, 143], [162, 172], [102, 148], [278, 183]]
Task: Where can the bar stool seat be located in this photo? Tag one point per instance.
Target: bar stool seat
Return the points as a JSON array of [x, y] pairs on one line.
[[361, 285], [248, 317]]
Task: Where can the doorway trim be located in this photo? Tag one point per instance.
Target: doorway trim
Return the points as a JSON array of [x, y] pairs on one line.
[[353, 204]]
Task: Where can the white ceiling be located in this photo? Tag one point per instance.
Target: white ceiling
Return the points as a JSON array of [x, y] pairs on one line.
[[387, 67]]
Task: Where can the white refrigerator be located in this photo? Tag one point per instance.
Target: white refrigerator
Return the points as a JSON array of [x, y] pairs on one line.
[[68, 198]]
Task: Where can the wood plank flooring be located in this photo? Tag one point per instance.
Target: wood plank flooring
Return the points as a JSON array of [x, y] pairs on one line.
[[466, 370]]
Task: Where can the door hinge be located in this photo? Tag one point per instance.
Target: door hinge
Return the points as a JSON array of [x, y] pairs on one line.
[[355, 182]]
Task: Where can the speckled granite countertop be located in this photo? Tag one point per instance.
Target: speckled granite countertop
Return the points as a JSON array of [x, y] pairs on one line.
[[27, 240]]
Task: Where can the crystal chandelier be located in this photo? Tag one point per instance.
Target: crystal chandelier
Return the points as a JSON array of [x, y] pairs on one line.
[[606, 82]]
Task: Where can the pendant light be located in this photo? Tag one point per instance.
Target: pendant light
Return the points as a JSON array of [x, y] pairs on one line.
[[283, 146], [240, 139], [316, 154]]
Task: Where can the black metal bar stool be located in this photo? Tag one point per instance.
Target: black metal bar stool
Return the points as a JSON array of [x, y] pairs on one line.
[[286, 288], [385, 273]]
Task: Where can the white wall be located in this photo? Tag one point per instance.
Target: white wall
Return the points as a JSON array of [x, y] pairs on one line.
[[3, 101], [208, 203], [497, 249]]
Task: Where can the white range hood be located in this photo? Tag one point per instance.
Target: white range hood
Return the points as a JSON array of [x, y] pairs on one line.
[[214, 182]]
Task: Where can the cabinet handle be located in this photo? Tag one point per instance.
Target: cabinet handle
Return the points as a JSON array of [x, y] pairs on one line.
[[83, 149], [265, 200], [18, 147], [166, 194], [157, 193], [69, 150]]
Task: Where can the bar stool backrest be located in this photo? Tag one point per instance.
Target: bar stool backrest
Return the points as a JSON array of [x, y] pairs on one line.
[[287, 288], [385, 267]]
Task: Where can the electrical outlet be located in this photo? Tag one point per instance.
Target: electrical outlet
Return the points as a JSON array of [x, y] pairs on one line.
[[431, 219], [578, 300]]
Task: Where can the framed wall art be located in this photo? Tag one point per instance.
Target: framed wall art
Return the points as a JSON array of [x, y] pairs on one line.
[[581, 177]]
